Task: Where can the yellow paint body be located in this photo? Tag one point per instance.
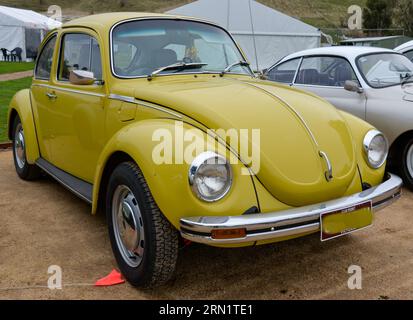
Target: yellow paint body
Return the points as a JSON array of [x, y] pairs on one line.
[[79, 133]]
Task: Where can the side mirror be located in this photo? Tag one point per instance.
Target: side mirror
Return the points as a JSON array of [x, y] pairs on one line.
[[353, 86], [263, 74], [81, 77]]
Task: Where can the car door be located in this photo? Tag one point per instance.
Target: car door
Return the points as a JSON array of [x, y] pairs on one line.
[[325, 76], [77, 111], [40, 96]]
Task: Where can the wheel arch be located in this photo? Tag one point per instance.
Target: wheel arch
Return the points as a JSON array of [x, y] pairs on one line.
[[112, 162], [21, 106]]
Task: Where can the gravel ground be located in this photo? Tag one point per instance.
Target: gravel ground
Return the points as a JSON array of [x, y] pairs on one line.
[[42, 224]]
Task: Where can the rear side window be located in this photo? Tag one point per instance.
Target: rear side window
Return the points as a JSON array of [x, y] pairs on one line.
[[79, 52], [325, 71], [285, 72], [45, 60]]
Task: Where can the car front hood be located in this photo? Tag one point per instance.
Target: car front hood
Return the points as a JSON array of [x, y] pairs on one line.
[[294, 127]]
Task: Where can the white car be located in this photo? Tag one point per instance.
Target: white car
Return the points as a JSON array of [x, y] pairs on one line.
[[406, 49], [373, 84]]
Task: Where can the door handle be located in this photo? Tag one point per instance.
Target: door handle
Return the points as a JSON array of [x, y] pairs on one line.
[[51, 96]]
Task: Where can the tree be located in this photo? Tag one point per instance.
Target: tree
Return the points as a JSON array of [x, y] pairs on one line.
[[378, 14], [403, 15]]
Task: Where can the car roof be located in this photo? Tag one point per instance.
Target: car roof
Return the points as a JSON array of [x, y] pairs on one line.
[[105, 21], [404, 46], [349, 52]]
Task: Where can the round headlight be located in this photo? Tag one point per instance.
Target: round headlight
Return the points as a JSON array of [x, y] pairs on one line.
[[210, 176], [376, 148]]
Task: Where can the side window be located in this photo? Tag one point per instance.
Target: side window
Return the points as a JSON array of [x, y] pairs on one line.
[[325, 71], [285, 72], [409, 55], [45, 60], [79, 52]]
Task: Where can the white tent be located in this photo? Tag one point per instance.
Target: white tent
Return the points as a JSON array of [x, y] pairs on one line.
[[23, 29], [264, 34]]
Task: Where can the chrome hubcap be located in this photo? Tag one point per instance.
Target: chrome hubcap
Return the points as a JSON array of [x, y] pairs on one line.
[[19, 147], [128, 226], [409, 161]]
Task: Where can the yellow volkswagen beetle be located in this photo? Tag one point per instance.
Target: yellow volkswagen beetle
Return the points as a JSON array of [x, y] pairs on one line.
[[159, 121]]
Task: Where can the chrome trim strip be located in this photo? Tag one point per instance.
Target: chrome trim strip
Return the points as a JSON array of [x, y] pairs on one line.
[[291, 108], [296, 221], [329, 173], [155, 107], [100, 95], [113, 96], [130, 99], [62, 183]]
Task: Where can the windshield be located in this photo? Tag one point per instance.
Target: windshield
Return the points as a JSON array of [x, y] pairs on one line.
[[142, 47], [385, 69]]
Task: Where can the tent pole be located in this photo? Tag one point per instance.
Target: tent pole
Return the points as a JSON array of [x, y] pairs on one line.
[[253, 35], [229, 8]]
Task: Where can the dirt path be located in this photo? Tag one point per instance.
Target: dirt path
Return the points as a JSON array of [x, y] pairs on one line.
[[16, 75], [42, 224]]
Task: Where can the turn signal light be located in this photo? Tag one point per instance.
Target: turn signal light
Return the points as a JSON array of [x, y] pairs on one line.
[[229, 233]]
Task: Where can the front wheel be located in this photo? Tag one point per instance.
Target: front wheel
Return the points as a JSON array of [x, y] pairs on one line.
[[406, 168], [24, 170], [144, 243]]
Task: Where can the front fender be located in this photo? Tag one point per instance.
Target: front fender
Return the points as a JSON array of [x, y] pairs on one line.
[[168, 183], [21, 105], [359, 129]]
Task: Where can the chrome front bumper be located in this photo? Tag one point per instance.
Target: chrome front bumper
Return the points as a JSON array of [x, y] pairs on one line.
[[302, 220]]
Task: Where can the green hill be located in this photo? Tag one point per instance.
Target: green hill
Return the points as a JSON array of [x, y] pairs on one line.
[[320, 13]]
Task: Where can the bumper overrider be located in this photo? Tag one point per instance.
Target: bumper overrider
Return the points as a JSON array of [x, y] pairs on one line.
[[292, 222]]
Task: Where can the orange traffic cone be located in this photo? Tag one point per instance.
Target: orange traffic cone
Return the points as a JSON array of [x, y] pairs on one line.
[[111, 279]]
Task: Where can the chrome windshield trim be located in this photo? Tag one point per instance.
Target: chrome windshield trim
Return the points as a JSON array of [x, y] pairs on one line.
[[172, 17], [296, 221], [100, 95]]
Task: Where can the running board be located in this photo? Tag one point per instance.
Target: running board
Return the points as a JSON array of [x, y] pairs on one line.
[[82, 189]]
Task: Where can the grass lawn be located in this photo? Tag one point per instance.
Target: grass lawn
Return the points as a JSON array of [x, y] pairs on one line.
[[7, 91], [10, 67]]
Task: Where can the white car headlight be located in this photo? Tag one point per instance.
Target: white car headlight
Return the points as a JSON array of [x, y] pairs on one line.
[[210, 176], [376, 148]]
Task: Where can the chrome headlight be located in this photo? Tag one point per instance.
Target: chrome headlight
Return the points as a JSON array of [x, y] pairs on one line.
[[376, 148], [210, 176]]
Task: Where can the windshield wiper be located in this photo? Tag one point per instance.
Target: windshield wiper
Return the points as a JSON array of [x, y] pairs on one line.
[[235, 64], [406, 78], [177, 66]]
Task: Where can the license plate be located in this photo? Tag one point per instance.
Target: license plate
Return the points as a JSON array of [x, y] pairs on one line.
[[344, 221]]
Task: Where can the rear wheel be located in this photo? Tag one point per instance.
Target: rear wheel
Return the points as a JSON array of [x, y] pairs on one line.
[[144, 243], [25, 170]]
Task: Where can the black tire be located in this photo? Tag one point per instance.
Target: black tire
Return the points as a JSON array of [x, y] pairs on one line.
[[160, 252], [24, 170], [404, 163]]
